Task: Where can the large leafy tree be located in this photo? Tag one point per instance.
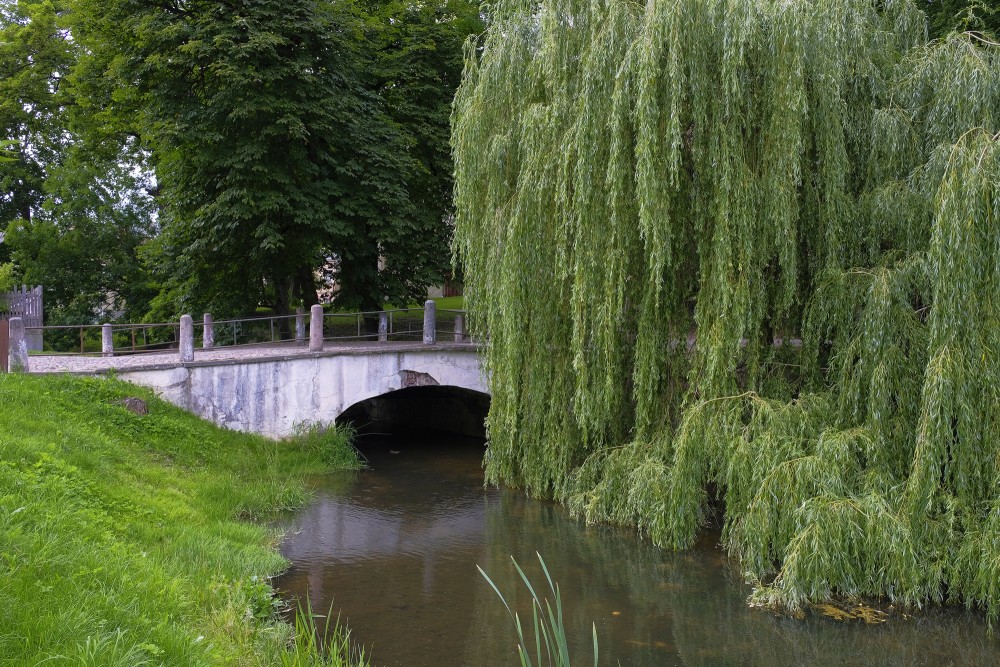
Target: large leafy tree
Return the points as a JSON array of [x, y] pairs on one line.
[[744, 255], [274, 150], [245, 107], [84, 246], [416, 50], [263, 139], [35, 58], [74, 206]]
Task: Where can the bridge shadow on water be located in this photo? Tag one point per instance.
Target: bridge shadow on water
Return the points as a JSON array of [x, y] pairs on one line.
[[392, 548]]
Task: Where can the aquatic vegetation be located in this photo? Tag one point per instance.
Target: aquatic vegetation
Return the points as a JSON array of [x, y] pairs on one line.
[[745, 255], [547, 626], [326, 646]]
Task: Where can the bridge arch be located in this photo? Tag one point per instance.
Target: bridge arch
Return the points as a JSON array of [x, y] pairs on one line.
[[427, 407]]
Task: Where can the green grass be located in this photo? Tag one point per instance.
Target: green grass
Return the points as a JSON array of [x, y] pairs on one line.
[[134, 540], [443, 303], [450, 303]]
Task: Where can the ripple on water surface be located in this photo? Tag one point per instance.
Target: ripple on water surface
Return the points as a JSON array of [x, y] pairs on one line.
[[395, 548]]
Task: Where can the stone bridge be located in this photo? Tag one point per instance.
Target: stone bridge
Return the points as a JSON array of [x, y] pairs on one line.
[[443, 387], [275, 390]]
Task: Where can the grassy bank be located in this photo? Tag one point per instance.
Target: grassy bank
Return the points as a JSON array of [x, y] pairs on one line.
[[132, 540]]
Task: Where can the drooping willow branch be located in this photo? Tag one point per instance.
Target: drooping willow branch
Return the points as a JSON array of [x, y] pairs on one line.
[[649, 195]]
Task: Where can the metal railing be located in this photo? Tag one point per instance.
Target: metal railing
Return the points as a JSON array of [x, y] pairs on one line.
[[92, 339], [453, 325], [394, 325], [397, 324], [251, 331]]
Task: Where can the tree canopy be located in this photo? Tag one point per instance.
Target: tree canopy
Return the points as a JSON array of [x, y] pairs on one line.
[[221, 153], [742, 256], [74, 205]]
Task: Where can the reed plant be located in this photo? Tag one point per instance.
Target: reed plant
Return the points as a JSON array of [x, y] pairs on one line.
[[547, 641], [328, 645]]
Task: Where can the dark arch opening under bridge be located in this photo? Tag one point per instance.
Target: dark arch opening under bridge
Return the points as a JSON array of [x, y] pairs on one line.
[[426, 408]]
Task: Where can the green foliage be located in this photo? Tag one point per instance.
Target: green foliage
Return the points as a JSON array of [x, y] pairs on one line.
[[261, 142], [283, 134], [35, 58], [742, 256], [74, 205], [326, 442], [7, 278], [329, 646], [247, 113], [416, 62], [7, 154], [83, 245], [124, 538], [548, 628], [944, 16]]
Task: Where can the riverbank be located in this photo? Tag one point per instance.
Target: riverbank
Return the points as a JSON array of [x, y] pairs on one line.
[[130, 539]]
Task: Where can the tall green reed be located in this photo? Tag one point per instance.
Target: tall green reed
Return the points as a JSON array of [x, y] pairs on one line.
[[548, 628]]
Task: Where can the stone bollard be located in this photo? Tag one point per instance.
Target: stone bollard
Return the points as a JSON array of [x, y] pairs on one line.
[[4, 345], [300, 327], [383, 327], [316, 328], [459, 328], [107, 341], [430, 322], [187, 339], [208, 332], [18, 355]]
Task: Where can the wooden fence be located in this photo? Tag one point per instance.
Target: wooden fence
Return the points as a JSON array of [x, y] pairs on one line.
[[25, 302]]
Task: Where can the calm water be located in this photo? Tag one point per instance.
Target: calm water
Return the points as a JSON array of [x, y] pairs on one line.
[[395, 548]]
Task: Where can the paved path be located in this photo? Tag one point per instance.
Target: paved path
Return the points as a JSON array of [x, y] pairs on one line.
[[70, 363]]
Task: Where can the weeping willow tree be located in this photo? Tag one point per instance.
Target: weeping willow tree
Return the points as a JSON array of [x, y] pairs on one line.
[[745, 253]]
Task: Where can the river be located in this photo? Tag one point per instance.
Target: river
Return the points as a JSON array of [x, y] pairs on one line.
[[394, 550]]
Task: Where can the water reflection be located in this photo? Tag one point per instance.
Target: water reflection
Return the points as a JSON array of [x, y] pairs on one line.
[[395, 547]]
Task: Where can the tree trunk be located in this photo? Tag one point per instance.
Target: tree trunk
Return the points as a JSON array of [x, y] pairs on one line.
[[307, 287], [359, 282], [282, 304]]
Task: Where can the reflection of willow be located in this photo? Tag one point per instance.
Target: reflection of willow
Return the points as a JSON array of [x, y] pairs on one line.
[[685, 607], [719, 629], [598, 573]]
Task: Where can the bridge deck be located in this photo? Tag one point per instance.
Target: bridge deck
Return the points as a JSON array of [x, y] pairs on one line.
[[68, 363]]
